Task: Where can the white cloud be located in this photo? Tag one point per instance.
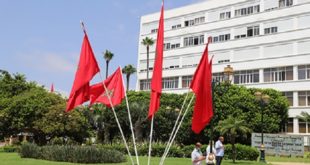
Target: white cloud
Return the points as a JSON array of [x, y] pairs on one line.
[[49, 62]]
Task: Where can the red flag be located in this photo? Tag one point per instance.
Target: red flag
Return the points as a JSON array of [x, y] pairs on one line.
[[115, 89], [52, 87], [87, 69], [156, 86], [202, 87]]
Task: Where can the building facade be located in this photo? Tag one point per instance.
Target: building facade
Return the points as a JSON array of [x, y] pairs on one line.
[[267, 42]]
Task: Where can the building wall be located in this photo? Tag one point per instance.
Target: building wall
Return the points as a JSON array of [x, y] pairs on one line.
[[272, 40]]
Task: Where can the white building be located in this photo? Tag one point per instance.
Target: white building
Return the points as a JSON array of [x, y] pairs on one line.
[[267, 42]]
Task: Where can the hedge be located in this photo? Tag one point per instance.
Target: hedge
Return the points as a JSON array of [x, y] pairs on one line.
[[10, 148], [243, 152], [74, 154]]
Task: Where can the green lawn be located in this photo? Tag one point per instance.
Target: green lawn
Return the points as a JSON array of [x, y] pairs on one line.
[[286, 159], [14, 159]]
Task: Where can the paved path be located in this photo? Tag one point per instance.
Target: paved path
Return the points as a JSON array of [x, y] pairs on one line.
[[288, 163]]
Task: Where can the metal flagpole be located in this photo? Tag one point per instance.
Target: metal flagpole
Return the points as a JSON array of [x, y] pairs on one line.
[[150, 144], [178, 127], [131, 127], [116, 118], [174, 127]]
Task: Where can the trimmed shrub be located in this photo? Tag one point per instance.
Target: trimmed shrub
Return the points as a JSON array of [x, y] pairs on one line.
[[157, 149], [74, 154], [28, 150], [10, 148], [243, 152]]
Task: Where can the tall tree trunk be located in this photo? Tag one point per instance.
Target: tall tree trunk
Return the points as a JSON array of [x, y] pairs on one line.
[[107, 69], [147, 62], [127, 79]]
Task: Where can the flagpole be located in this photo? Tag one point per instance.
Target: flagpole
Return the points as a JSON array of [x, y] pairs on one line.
[[116, 118], [150, 144], [174, 127], [131, 127], [179, 126]]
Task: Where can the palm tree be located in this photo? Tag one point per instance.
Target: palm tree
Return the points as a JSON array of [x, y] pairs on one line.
[[304, 116], [147, 42], [128, 70], [232, 127], [107, 55]]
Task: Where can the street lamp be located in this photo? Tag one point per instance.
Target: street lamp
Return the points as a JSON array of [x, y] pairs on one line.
[[263, 100], [227, 77]]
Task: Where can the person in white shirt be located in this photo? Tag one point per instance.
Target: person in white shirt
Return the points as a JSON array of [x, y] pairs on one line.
[[197, 155], [210, 159], [219, 147]]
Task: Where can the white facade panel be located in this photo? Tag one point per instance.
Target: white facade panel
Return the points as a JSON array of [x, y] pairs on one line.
[[304, 21], [304, 47], [271, 4], [282, 25], [246, 54], [220, 56], [278, 50]]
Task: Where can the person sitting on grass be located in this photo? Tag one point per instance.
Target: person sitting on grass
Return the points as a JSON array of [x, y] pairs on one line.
[[197, 156]]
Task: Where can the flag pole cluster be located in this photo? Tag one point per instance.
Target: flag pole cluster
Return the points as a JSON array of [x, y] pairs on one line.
[[110, 92]]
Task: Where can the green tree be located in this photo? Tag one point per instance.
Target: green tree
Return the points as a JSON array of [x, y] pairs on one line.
[[233, 127], [147, 42], [128, 70], [107, 55]]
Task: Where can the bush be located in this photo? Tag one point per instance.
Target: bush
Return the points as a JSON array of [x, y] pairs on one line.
[[10, 148], [157, 149], [74, 154], [243, 152]]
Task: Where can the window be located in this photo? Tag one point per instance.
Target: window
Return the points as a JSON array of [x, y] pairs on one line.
[[304, 98], [223, 61], [285, 3], [196, 40], [302, 126], [170, 82], [256, 9], [247, 11], [219, 77], [250, 10], [145, 85], [154, 30], [176, 26], [289, 125], [253, 31], [289, 96], [278, 74], [225, 15], [271, 30], [186, 81], [167, 46], [240, 36], [246, 77], [221, 38], [196, 21], [303, 72]]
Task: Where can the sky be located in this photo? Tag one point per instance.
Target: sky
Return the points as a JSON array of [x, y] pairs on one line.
[[42, 38]]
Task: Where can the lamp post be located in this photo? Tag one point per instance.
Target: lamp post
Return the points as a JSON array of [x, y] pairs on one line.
[[227, 78], [263, 100]]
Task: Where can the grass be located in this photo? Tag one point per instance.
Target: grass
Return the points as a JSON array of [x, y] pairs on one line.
[[287, 159], [14, 159]]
